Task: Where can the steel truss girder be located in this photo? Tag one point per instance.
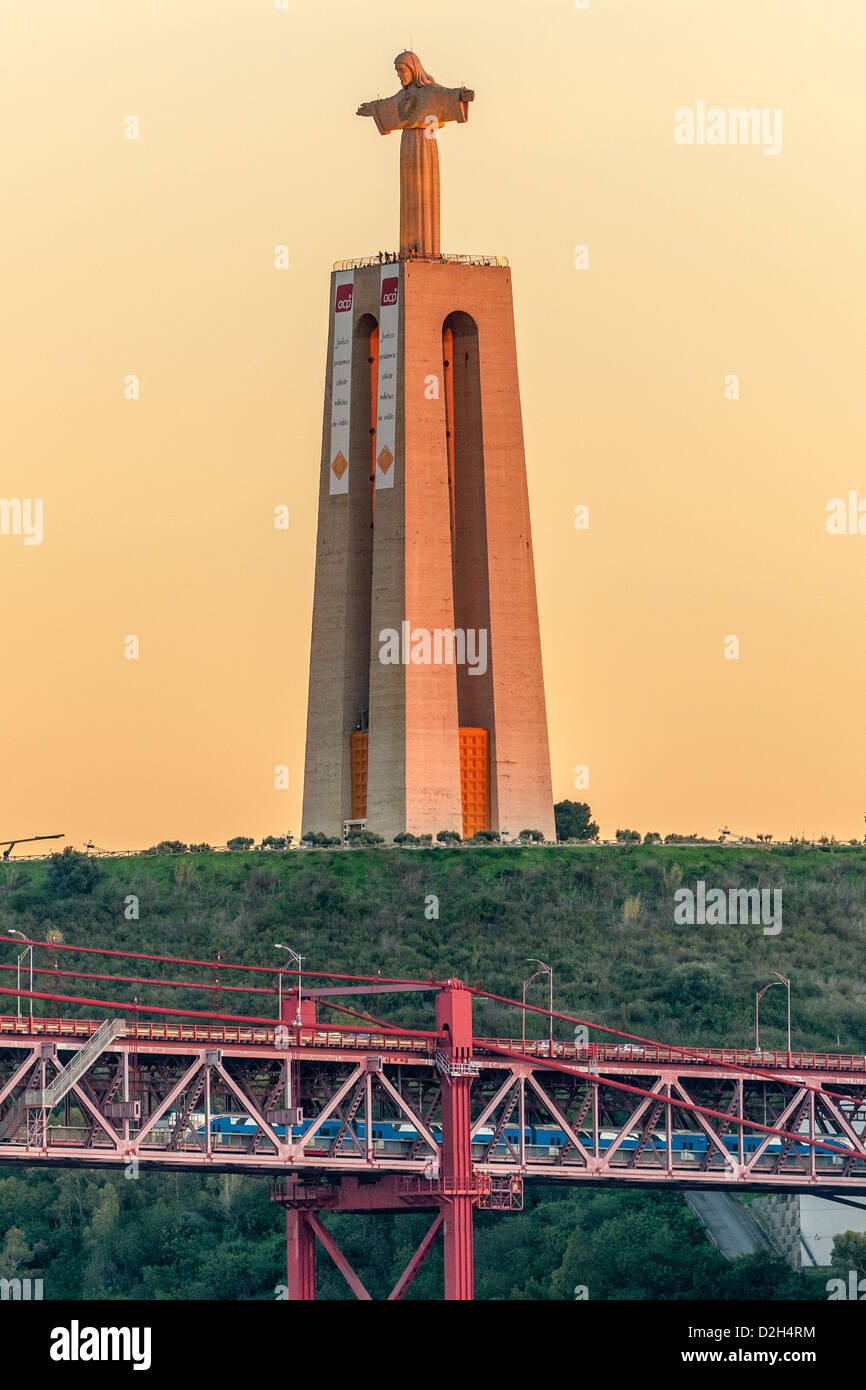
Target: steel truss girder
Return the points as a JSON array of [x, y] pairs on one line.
[[596, 1112], [674, 1099]]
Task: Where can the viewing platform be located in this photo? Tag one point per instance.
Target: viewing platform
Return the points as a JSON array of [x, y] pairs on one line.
[[394, 257]]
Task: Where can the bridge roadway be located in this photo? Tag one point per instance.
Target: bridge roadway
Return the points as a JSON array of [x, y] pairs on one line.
[[728, 1223], [283, 1035], [371, 1101]]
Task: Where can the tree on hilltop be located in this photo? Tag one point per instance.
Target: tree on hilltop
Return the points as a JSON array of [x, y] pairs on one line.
[[573, 821]]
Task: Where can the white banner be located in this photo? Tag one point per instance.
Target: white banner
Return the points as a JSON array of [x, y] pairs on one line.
[[341, 382], [386, 408]]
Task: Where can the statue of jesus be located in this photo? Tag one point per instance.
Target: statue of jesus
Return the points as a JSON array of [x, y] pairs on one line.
[[420, 109]]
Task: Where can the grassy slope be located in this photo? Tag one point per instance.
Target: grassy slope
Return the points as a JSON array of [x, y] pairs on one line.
[[363, 911]]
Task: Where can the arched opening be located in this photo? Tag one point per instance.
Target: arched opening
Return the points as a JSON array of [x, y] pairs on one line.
[[470, 582], [373, 363], [362, 501]]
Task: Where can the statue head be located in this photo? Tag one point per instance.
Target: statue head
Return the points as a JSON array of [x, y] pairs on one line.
[[409, 70]]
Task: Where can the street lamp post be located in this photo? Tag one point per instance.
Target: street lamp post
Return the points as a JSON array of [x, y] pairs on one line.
[[758, 997], [14, 932], [295, 958], [787, 983], [545, 970]]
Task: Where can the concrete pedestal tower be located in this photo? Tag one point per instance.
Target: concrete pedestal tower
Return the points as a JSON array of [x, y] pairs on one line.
[[426, 705]]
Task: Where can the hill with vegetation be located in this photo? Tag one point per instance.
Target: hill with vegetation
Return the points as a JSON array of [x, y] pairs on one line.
[[603, 917]]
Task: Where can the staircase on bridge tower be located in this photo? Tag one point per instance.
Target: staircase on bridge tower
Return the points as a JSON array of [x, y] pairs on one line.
[[73, 1071]]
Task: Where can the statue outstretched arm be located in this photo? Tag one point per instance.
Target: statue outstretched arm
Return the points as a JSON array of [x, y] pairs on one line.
[[414, 107]]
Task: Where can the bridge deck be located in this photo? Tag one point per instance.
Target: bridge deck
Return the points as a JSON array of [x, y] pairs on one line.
[[359, 1039], [276, 1098]]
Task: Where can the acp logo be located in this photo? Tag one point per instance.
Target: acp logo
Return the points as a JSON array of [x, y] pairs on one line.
[[344, 298], [389, 290]]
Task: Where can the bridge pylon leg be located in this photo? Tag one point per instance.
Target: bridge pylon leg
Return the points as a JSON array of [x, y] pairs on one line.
[[459, 1257], [454, 1021], [300, 1255]]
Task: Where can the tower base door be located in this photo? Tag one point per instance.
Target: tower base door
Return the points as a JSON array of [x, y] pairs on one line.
[[475, 780]]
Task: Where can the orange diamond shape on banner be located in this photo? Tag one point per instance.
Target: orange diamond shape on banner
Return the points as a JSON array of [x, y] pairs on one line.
[[340, 464], [385, 459]]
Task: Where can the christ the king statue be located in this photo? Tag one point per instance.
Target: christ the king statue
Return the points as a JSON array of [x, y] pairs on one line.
[[420, 109]]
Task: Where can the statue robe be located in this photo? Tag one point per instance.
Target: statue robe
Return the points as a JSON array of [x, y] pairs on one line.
[[419, 112]]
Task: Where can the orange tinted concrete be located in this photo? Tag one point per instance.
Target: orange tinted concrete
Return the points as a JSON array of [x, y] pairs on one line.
[[418, 548], [340, 646], [520, 788], [483, 577]]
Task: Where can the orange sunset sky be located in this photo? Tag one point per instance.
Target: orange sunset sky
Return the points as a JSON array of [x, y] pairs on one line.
[[155, 257]]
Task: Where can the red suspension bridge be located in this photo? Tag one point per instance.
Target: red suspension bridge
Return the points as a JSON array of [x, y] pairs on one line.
[[367, 1115]]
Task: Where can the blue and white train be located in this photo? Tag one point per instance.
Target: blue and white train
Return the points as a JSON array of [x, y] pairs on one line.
[[391, 1136]]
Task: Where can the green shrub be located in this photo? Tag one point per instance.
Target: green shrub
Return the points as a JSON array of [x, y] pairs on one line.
[[573, 821], [365, 837], [70, 873], [318, 840]]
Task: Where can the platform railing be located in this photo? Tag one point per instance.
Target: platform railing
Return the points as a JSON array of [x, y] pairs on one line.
[[147, 1030], [397, 257], [686, 1056]]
